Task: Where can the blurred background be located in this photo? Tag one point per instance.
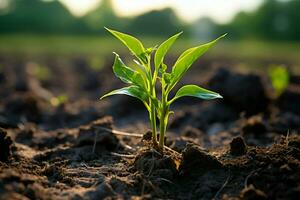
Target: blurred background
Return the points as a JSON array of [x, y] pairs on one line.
[[59, 51], [261, 28]]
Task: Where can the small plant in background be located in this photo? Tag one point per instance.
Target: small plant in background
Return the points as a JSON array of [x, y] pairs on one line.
[[279, 76], [96, 63], [59, 100], [144, 79], [43, 73]]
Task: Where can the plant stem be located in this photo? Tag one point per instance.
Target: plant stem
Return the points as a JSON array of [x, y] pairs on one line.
[[162, 133], [152, 112], [163, 121], [153, 123]]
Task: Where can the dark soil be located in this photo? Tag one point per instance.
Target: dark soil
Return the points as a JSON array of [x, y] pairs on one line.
[[246, 146], [238, 146], [5, 144]]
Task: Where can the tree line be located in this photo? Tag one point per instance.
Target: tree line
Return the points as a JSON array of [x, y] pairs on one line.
[[273, 20]]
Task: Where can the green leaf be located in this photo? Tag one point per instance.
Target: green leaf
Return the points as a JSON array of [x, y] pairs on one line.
[[163, 49], [186, 52], [127, 74], [141, 69], [133, 91], [133, 44], [195, 91], [187, 58]]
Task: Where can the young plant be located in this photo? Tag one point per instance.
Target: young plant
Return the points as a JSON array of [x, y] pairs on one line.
[[144, 78], [279, 76]]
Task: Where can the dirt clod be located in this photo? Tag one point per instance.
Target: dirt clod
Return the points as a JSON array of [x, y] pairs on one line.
[[147, 137], [254, 125], [26, 106], [102, 191], [243, 91], [5, 145], [192, 132], [294, 143], [179, 144], [98, 131], [152, 163], [251, 193], [238, 146], [289, 99], [195, 159]]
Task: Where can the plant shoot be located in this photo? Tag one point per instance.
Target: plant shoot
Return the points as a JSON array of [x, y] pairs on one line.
[[144, 79]]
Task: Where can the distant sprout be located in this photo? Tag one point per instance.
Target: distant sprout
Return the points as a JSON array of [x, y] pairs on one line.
[[96, 63], [41, 72], [59, 100], [279, 76], [143, 80]]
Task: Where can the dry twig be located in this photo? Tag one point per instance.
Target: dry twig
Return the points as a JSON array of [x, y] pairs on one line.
[[223, 186], [122, 155]]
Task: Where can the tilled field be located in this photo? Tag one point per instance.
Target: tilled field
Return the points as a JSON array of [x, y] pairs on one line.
[[245, 146]]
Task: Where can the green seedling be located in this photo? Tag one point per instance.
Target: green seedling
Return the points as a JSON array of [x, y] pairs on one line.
[[96, 63], [279, 76], [41, 72], [144, 78], [59, 100]]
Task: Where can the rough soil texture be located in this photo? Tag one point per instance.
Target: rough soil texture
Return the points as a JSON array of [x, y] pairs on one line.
[[246, 146]]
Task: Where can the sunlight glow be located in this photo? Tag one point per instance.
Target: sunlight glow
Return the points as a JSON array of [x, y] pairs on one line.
[[81, 7], [220, 10]]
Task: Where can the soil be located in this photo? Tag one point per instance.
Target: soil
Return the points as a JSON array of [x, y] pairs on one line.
[[246, 146]]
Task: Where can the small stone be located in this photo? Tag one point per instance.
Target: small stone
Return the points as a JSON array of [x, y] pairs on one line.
[[238, 146]]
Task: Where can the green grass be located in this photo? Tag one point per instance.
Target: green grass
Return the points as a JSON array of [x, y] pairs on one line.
[[63, 45], [38, 45], [55, 45]]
